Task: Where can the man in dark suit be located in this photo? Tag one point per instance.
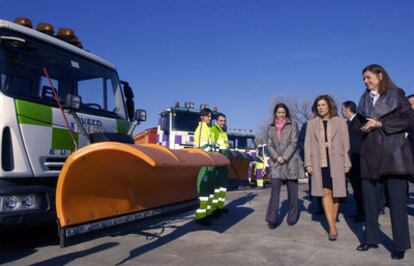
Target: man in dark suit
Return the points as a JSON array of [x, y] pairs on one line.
[[349, 111]]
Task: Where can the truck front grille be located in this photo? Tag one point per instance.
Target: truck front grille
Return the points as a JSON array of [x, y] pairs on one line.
[[54, 163]]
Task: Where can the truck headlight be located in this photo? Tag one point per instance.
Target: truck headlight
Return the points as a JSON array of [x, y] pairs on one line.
[[12, 203], [29, 201]]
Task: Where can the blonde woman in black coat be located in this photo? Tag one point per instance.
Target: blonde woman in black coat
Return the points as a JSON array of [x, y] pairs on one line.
[[386, 156]]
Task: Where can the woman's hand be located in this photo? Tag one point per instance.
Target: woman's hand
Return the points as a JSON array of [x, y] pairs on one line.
[[280, 160], [309, 170], [347, 169], [371, 125]]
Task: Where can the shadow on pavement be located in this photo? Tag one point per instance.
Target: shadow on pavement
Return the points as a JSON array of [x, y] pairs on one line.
[[64, 259], [237, 212], [18, 243], [349, 209]]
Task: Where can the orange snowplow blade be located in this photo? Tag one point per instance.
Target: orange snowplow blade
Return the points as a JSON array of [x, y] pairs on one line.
[[111, 179], [239, 165]]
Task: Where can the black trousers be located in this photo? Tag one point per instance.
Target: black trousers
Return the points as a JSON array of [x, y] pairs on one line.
[[273, 206], [382, 196], [354, 176], [396, 188]]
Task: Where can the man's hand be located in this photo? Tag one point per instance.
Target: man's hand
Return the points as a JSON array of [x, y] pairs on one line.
[[309, 170]]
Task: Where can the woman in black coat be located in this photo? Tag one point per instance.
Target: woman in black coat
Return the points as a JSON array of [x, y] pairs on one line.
[[386, 156]]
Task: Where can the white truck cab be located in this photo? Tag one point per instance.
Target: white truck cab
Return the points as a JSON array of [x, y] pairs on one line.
[[36, 135], [242, 140], [177, 125]]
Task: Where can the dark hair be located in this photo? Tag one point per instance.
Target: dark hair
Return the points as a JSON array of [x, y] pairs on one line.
[[386, 83], [205, 112], [219, 114], [280, 105], [409, 96], [331, 105], [351, 105]]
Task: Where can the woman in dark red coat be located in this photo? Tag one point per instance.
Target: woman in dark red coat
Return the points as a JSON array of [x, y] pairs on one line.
[[386, 156]]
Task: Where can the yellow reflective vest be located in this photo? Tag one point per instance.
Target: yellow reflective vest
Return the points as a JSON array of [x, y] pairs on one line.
[[220, 138], [261, 163], [202, 137]]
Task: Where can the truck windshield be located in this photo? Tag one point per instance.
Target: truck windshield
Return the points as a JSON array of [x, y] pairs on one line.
[[185, 120], [242, 142], [22, 60]]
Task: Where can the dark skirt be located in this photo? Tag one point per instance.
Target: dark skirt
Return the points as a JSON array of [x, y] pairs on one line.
[[326, 178]]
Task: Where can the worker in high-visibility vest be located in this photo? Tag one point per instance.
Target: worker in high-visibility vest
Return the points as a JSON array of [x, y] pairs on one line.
[[203, 140], [251, 171], [260, 168], [221, 141]]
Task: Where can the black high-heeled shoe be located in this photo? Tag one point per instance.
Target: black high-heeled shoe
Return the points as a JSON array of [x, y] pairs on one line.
[[333, 237]]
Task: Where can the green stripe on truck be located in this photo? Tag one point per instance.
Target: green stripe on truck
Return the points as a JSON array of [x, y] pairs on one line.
[[33, 113], [61, 139], [122, 125]]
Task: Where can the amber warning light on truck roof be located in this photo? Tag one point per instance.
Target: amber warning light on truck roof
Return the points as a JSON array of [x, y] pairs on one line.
[[45, 28], [68, 35], [24, 22], [65, 34]]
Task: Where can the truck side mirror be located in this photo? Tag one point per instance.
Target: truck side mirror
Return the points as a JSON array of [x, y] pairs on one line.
[[140, 115], [129, 97], [73, 101]]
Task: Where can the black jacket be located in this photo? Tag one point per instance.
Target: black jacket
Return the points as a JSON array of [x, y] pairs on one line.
[[355, 136], [301, 141], [387, 151]]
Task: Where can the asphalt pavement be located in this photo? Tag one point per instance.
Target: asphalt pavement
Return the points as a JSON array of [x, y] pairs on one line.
[[239, 237]]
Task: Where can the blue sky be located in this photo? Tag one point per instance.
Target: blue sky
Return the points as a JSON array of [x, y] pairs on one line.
[[237, 54]]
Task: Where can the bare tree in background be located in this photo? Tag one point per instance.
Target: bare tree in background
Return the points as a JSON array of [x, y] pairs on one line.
[[300, 110]]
